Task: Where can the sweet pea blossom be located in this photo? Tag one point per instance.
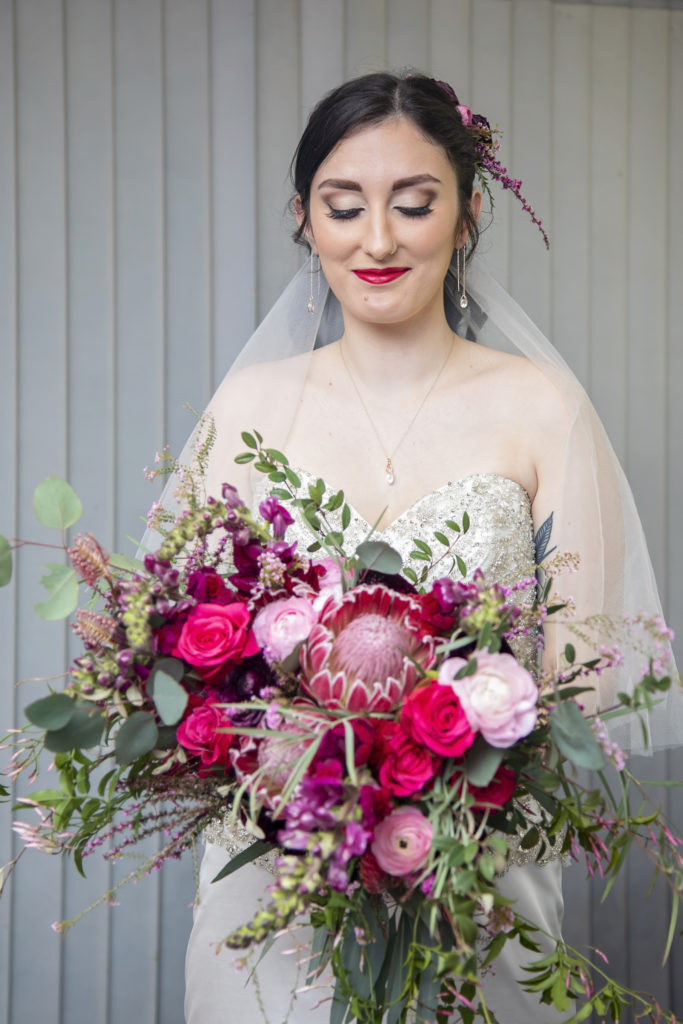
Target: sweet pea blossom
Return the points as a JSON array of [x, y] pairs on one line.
[[283, 624], [402, 841], [499, 699]]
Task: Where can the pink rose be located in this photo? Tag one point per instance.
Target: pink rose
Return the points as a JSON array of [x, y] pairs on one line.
[[433, 716], [203, 733], [499, 699], [402, 841], [283, 624], [215, 637], [465, 114]]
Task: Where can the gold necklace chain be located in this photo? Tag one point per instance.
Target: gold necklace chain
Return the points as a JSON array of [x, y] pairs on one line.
[[389, 468]]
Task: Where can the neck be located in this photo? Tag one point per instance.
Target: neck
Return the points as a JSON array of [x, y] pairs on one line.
[[388, 357]]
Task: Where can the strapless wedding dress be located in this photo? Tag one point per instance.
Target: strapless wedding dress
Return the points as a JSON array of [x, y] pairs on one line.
[[500, 543]]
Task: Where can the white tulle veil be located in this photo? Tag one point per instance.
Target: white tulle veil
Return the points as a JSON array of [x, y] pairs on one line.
[[593, 512]]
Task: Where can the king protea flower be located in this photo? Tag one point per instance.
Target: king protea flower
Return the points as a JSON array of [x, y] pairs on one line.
[[366, 651]]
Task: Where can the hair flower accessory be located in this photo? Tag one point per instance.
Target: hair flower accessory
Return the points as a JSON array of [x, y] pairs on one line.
[[488, 165]]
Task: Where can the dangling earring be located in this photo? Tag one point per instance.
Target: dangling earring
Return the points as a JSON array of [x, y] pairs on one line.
[[311, 300], [464, 302]]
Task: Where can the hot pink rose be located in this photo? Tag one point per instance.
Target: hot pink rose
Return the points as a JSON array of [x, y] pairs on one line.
[[216, 637], [203, 733], [499, 699], [405, 767], [283, 624], [432, 715], [402, 841]]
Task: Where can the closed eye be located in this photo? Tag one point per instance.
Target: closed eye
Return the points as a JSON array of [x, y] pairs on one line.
[[416, 211], [347, 214]]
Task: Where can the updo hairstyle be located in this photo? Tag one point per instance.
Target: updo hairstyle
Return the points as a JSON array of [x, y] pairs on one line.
[[373, 99]]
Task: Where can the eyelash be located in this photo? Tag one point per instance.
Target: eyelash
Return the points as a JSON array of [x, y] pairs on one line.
[[408, 211]]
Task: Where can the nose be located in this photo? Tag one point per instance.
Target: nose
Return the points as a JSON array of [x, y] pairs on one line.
[[379, 241]]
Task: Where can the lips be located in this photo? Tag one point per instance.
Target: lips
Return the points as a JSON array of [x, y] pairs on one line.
[[383, 276]]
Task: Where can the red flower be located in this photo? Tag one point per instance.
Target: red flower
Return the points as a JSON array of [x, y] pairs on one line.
[[203, 734], [372, 877], [432, 716], [206, 586], [404, 766], [497, 793], [215, 638]]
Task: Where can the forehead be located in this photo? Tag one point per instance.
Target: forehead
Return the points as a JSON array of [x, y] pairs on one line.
[[391, 149]]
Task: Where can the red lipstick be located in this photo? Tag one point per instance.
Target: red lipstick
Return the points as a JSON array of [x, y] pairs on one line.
[[381, 276]]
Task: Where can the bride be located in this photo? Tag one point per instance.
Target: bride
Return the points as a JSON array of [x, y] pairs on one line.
[[367, 375]]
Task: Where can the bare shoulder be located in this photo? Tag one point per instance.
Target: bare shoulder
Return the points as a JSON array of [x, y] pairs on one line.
[[257, 396]]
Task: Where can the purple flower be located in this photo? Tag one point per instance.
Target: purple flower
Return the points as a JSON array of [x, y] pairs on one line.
[[275, 514]]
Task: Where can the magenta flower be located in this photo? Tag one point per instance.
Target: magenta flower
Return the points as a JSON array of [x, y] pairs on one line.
[[366, 651], [402, 841]]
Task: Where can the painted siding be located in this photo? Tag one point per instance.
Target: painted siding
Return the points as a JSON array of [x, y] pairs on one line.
[[144, 149]]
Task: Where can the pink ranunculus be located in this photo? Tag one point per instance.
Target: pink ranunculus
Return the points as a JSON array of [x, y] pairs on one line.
[[215, 637], [433, 716], [499, 699], [281, 625], [465, 114], [402, 841], [203, 733]]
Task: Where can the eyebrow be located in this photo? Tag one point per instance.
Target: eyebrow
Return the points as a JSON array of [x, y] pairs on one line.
[[401, 183]]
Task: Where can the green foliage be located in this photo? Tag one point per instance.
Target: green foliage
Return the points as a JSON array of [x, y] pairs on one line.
[[126, 562], [256, 849], [170, 698], [136, 737], [481, 762], [62, 586], [56, 503], [379, 556], [5, 561], [52, 712], [83, 730], [574, 736]]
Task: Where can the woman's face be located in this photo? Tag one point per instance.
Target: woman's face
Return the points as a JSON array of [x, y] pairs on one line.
[[383, 218]]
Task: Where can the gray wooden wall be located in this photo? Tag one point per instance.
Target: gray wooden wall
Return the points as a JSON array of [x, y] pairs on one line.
[[144, 147]]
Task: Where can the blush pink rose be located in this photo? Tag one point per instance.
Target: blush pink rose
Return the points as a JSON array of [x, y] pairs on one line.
[[499, 699], [402, 841], [433, 715], [281, 625], [216, 637], [203, 733]]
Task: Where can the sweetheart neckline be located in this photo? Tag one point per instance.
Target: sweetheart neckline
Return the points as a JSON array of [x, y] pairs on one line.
[[425, 497]]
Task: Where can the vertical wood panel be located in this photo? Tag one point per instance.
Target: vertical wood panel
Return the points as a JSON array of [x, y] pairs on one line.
[[140, 370], [89, 154], [8, 457], [323, 51], [491, 96], [277, 110], [187, 213], [609, 217], [526, 142], [366, 45], [450, 49], [408, 34], [234, 198], [42, 396], [571, 174]]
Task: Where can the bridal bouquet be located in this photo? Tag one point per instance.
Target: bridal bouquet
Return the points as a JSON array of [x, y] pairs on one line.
[[375, 731]]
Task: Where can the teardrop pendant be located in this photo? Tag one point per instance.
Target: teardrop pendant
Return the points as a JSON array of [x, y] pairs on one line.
[[389, 472], [463, 302]]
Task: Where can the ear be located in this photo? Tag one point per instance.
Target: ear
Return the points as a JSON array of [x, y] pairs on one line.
[[476, 203], [300, 218]]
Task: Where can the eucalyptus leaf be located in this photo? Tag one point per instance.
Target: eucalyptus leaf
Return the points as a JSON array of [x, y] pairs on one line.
[[380, 556], [56, 504], [51, 712], [5, 561], [83, 730], [62, 586], [170, 698], [481, 762], [137, 736], [574, 736]]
